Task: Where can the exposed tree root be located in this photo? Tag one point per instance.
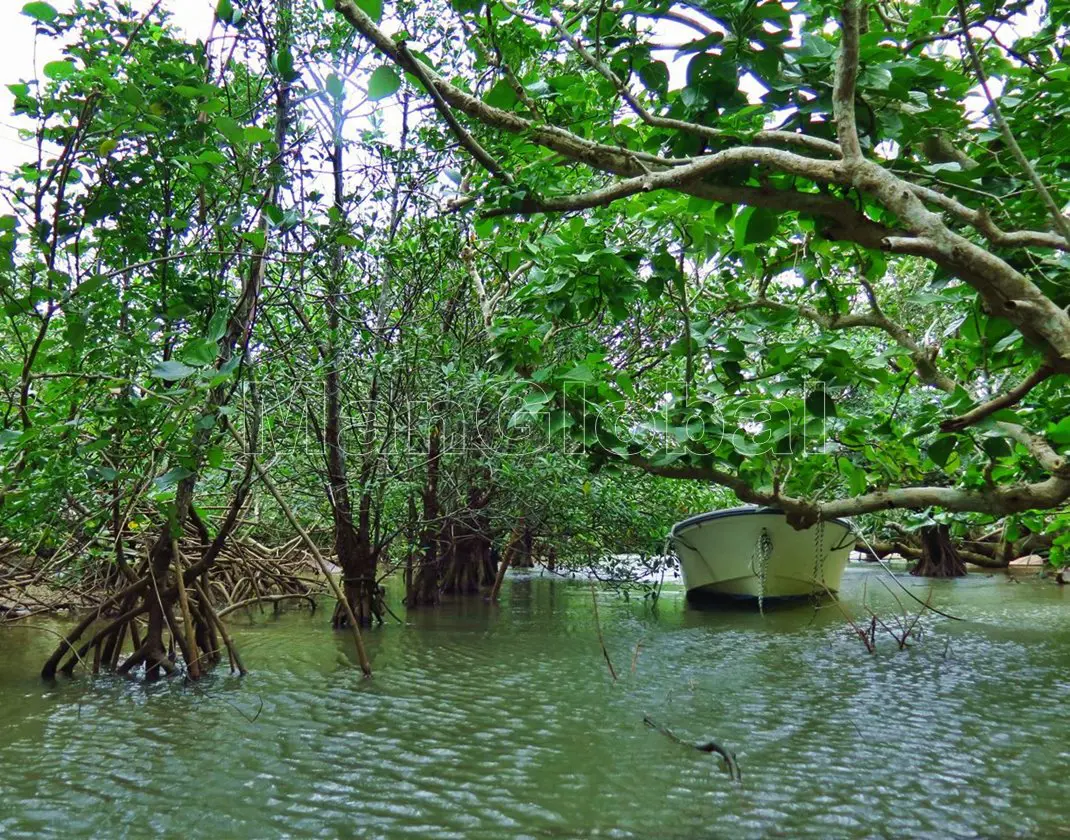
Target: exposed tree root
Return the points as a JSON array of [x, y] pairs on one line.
[[939, 558]]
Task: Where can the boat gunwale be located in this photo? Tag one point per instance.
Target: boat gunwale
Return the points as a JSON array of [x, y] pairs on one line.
[[698, 519]]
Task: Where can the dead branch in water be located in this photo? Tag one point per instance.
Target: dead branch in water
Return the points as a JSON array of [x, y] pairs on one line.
[[728, 758], [601, 638]]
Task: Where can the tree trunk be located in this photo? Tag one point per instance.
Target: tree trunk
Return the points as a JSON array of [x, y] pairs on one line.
[[939, 558], [425, 581]]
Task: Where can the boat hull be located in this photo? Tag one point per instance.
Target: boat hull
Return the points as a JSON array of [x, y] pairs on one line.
[[718, 555]]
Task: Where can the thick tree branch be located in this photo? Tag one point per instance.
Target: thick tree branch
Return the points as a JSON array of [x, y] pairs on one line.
[[801, 513], [684, 176], [843, 91], [742, 489], [1006, 291], [982, 222]]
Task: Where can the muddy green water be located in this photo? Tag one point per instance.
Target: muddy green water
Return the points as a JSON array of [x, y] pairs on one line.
[[503, 722]]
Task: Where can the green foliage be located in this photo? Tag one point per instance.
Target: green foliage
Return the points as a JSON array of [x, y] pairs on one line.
[[383, 82], [698, 332]]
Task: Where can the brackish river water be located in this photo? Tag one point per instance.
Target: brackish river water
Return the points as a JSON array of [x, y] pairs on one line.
[[501, 722]]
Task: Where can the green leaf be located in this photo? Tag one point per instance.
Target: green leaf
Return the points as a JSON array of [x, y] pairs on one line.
[[941, 448], [372, 8], [87, 287], [996, 446], [214, 457], [256, 134], [743, 446], [224, 11], [40, 11], [501, 95], [230, 129], [1060, 432], [755, 224], [60, 70], [655, 75], [172, 371], [283, 61], [533, 403], [1008, 341], [199, 352], [580, 373], [107, 146], [217, 326], [820, 404], [171, 478], [257, 238], [228, 367], [384, 82], [336, 87]]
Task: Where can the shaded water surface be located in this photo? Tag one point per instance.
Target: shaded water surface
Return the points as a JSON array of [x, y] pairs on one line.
[[504, 722]]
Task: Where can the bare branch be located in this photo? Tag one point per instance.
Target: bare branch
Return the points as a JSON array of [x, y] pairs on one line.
[[982, 221], [682, 176], [462, 134], [1012, 397]]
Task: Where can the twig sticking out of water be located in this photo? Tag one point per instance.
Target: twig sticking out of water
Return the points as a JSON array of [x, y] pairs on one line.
[[728, 758], [601, 639], [899, 583], [635, 656], [866, 638]]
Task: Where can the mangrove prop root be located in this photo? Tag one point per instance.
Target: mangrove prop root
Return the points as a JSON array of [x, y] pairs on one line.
[[362, 656], [728, 758], [190, 651], [232, 652], [228, 569]]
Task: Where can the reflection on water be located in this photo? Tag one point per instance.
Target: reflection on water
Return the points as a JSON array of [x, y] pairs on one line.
[[488, 721]]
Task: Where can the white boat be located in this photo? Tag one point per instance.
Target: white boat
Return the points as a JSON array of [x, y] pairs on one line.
[[752, 552]]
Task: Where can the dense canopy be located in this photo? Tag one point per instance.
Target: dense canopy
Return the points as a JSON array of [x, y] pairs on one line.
[[426, 281]]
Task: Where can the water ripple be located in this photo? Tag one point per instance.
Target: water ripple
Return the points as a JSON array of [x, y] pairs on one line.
[[503, 722]]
